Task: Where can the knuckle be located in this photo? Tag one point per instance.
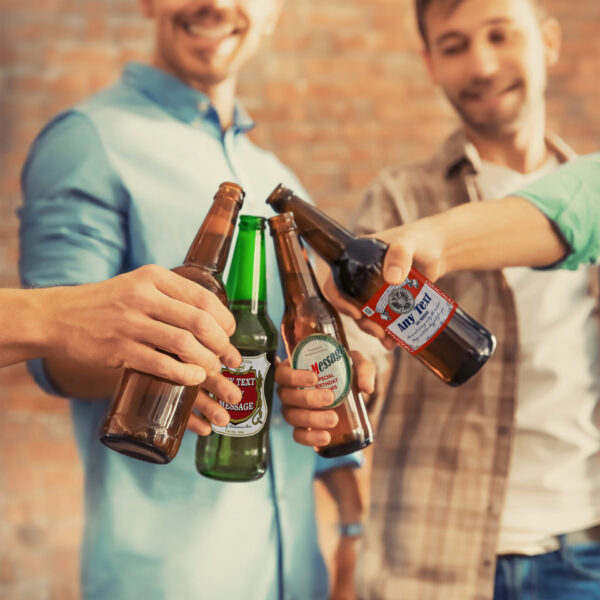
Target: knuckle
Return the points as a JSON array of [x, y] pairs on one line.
[[148, 271], [185, 344]]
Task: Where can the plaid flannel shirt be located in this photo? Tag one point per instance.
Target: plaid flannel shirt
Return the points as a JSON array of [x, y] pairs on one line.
[[442, 454]]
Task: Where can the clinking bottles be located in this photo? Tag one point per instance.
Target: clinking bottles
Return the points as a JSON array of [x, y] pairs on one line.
[[416, 314], [315, 339], [149, 415], [239, 451]]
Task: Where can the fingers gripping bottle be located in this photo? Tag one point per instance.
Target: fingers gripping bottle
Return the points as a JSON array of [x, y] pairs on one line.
[[148, 416], [416, 314], [240, 450], [315, 340]]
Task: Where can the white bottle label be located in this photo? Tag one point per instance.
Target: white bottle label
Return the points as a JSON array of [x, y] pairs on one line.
[[250, 415], [326, 357]]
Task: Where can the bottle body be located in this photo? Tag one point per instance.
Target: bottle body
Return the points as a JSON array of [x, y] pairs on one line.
[[149, 415], [315, 340], [416, 314], [239, 451]]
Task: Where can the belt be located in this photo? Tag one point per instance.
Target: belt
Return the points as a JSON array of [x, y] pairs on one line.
[[590, 535], [583, 536]]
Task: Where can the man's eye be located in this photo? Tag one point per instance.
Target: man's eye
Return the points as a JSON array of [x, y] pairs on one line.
[[452, 50], [497, 37]]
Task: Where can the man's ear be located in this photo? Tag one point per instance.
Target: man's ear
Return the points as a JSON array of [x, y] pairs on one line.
[[552, 39], [147, 7]]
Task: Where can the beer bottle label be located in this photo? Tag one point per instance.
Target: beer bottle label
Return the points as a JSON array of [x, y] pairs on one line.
[[326, 357], [413, 313], [250, 415]]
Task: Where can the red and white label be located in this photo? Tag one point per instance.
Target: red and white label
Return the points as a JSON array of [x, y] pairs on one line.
[[249, 416], [413, 314]]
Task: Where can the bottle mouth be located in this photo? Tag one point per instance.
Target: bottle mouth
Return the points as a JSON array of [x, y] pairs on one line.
[[283, 222], [252, 222], [278, 196], [233, 191]]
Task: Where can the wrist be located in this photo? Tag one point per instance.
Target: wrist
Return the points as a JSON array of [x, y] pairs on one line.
[[42, 326]]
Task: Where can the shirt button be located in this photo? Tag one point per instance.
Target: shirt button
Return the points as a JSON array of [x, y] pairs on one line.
[[277, 420], [203, 106]]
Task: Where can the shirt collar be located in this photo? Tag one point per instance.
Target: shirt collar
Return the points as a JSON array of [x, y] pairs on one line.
[[177, 98], [458, 150]]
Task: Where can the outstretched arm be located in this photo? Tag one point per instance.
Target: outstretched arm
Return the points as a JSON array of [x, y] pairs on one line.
[[121, 322]]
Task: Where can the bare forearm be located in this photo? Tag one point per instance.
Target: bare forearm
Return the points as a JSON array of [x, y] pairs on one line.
[[487, 235], [344, 487], [502, 233], [28, 329]]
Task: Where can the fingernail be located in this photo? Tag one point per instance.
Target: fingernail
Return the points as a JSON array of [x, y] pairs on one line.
[[323, 440], [327, 397], [331, 420], [311, 379], [222, 420]]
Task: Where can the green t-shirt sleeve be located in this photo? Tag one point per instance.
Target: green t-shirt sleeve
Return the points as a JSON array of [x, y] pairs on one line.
[[570, 197]]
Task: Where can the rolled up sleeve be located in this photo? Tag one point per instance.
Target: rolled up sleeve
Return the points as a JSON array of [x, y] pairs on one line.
[[570, 198], [73, 219]]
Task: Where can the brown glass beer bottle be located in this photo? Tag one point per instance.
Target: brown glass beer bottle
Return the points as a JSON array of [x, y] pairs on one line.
[[416, 314], [148, 416], [315, 340]]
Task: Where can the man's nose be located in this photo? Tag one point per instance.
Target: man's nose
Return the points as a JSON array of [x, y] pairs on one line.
[[483, 60]]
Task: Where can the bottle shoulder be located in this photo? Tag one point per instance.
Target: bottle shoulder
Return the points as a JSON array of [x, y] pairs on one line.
[[254, 330], [205, 278]]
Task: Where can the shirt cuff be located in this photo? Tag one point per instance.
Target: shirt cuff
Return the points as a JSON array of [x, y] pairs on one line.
[[353, 461], [37, 368]]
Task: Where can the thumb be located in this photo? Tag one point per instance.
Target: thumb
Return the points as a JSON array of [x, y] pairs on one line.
[[397, 263]]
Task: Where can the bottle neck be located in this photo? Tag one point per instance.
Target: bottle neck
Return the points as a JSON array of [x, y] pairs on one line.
[[210, 247], [327, 237], [247, 280], [297, 277]]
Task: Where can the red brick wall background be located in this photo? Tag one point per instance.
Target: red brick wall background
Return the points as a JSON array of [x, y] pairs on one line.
[[339, 92]]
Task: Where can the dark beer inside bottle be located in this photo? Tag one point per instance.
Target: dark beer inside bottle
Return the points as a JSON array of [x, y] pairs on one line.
[[455, 355]]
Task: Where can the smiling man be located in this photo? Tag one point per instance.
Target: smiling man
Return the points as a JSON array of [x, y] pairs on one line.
[[498, 480], [124, 179]]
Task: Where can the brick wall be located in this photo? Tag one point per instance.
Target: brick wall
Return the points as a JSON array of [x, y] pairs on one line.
[[339, 92]]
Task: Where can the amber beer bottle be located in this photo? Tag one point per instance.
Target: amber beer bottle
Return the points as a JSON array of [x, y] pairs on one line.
[[416, 314], [239, 451], [315, 340], [148, 416]]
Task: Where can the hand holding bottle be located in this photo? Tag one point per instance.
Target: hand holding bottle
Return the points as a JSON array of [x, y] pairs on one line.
[[208, 411], [305, 407]]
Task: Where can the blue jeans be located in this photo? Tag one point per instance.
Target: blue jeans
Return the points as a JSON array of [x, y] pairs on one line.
[[570, 573]]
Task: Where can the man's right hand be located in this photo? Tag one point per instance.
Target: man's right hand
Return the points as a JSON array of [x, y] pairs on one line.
[[125, 320]]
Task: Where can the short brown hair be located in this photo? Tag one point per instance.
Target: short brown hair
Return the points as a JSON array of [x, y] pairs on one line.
[[421, 7]]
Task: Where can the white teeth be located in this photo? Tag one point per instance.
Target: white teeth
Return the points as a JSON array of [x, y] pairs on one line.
[[212, 33]]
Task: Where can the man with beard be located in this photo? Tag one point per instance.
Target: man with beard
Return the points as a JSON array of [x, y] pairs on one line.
[[124, 179], [491, 489]]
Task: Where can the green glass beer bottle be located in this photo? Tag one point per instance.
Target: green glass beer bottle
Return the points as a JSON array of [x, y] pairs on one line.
[[239, 451]]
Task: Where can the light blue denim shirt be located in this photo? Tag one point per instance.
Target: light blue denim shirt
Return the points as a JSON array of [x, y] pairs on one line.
[[122, 180]]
